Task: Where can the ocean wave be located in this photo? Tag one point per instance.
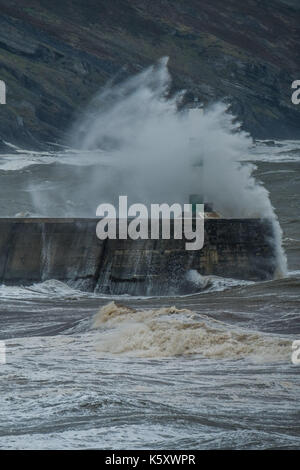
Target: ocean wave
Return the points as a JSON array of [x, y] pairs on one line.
[[48, 289], [53, 288], [275, 151], [214, 283], [22, 158], [169, 331]]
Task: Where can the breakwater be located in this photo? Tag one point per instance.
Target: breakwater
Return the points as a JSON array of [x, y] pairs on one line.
[[38, 249]]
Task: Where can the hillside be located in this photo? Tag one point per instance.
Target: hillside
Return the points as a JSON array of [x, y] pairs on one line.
[[54, 55]]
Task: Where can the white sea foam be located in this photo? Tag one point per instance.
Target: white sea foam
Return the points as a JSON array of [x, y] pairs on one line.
[[47, 289], [275, 151], [214, 283]]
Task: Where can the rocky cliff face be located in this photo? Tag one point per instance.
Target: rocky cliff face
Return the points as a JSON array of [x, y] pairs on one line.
[[54, 55]]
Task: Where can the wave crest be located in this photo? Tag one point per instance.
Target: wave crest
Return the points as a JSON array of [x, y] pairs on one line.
[[169, 331]]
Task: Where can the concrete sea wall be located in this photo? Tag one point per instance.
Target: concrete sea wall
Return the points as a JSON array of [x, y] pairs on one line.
[[34, 250]]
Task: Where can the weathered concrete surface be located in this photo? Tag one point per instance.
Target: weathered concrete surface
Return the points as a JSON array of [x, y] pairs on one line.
[[33, 250]]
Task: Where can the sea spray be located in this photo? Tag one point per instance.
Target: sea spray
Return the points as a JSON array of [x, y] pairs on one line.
[[161, 153], [145, 145]]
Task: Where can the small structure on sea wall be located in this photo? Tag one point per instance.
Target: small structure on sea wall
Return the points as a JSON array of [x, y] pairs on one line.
[[35, 250]]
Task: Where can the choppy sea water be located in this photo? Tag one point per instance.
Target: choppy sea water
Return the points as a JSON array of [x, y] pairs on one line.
[[204, 371]]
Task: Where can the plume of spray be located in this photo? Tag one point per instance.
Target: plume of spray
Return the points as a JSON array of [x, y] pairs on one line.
[[160, 152]]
